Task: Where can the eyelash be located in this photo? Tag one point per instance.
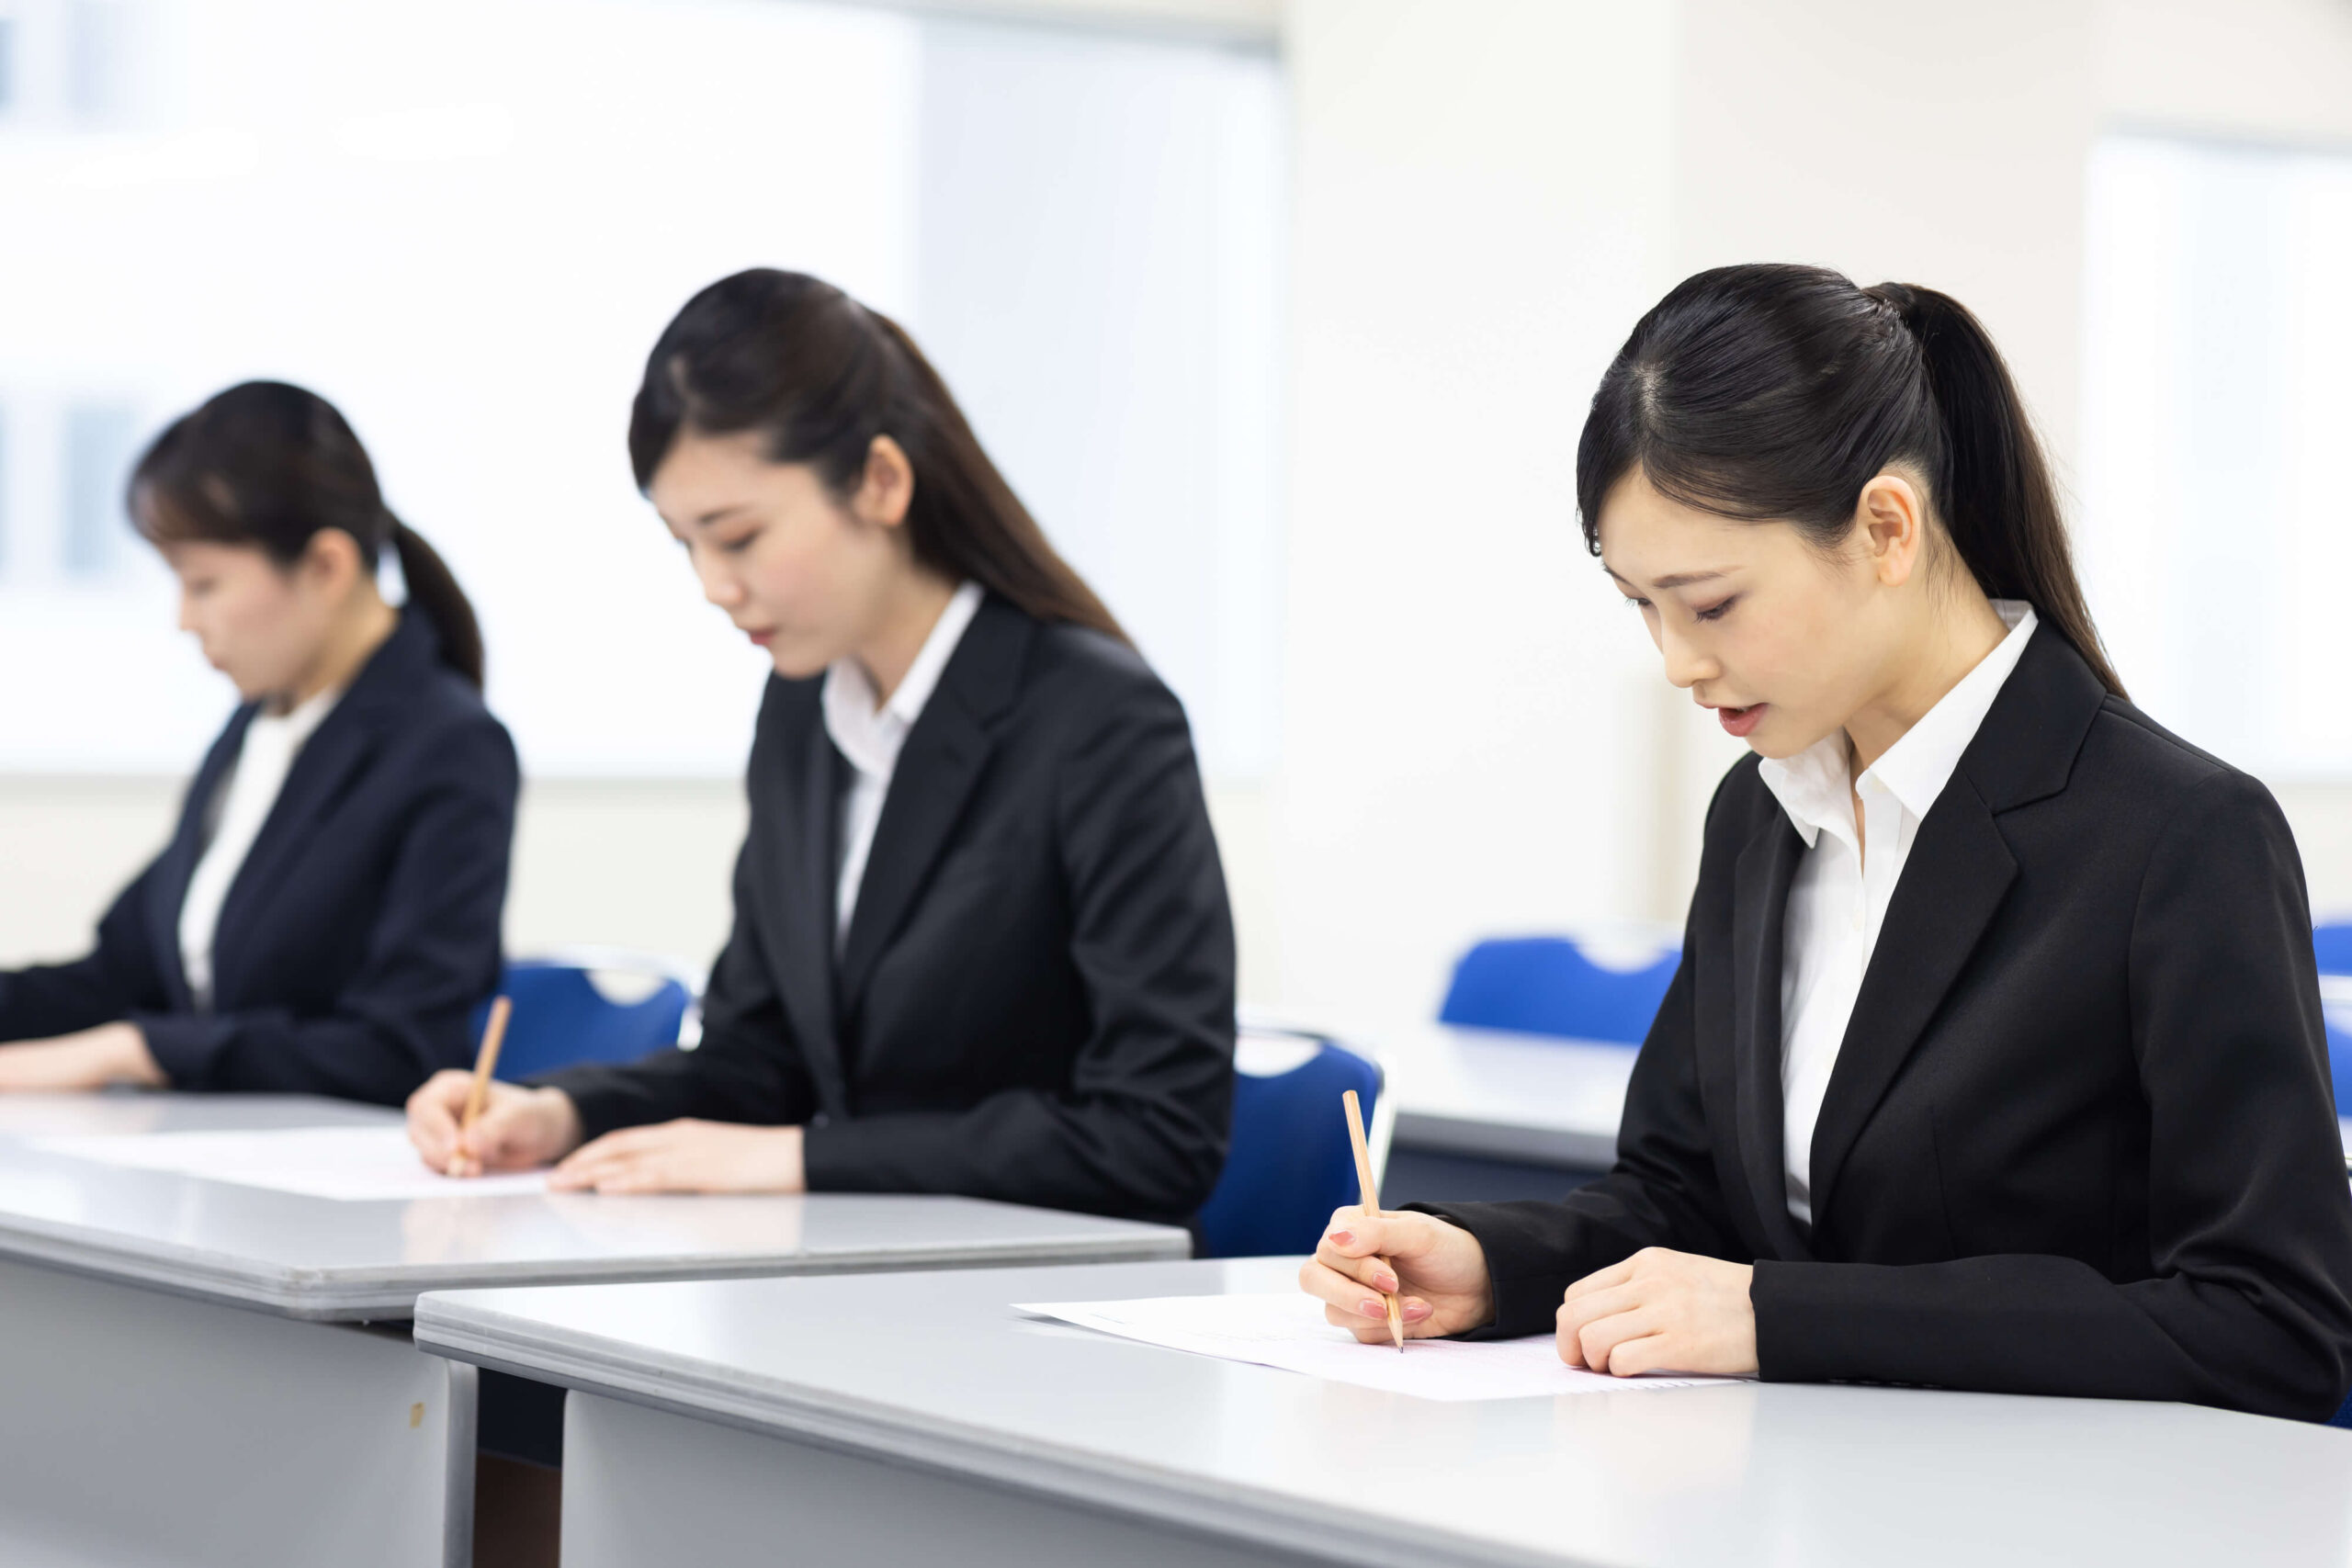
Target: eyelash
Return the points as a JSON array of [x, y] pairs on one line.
[[1711, 613]]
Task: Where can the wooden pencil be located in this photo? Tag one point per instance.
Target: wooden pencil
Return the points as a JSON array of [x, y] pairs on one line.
[[1372, 1206], [494, 1035]]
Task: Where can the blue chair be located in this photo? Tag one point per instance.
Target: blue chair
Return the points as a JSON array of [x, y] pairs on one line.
[[1545, 985], [2331, 944], [1291, 1161], [561, 1017], [2343, 1417]]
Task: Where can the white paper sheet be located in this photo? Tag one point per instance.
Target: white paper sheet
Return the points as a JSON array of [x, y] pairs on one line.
[[348, 1163], [1288, 1331]]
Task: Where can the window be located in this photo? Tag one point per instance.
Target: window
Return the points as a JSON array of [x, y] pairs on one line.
[[470, 251], [7, 61], [101, 443], [2216, 532]]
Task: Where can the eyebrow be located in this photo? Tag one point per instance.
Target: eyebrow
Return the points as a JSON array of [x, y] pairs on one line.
[[1673, 580], [721, 514]]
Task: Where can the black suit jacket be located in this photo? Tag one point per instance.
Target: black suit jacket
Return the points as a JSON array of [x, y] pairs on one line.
[[2079, 1139], [363, 925], [1035, 999]]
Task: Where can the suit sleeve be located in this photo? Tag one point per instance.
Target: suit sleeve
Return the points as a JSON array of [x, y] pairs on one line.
[[746, 1069], [1662, 1191], [432, 955], [1141, 1129], [2249, 1216], [120, 975]]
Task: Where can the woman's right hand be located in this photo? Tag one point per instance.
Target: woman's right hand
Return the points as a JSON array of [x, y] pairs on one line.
[[518, 1128], [1439, 1270]]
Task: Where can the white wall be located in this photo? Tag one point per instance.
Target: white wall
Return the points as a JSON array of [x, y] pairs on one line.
[[1479, 210], [1486, 193]]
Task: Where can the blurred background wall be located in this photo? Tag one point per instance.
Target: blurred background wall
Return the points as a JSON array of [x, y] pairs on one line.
[[1281, 313]]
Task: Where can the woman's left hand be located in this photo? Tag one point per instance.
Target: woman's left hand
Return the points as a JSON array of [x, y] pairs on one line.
[[1661, 1310], [685, 1157], [91, 1058]]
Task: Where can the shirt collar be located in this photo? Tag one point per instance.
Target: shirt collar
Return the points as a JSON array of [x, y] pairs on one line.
[[1813, 786], [299, 723], [870, 735]]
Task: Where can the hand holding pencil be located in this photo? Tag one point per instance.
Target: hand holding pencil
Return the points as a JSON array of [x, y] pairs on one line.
[[1386, 1278]]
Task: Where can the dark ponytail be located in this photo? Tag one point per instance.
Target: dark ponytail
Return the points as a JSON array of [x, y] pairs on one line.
[[270, 465], [433, 588], [817, 375], [1777, 392]]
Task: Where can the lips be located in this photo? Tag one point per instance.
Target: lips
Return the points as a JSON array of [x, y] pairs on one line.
[[1739, 721], [761, 638]]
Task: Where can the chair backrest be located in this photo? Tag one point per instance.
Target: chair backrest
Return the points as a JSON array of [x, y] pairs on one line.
[[1291, 1162], [1545, 985], [2335, 1009], [2331, 945], [562, 1017]]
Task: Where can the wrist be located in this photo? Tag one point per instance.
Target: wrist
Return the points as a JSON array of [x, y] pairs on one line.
[[560, 1119], [128, 1060]]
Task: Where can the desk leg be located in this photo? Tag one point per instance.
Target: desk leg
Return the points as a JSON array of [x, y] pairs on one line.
[[643, 1486], [137, 1427]]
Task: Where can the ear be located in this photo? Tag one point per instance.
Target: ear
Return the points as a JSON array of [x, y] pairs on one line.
[[1892, 522], [887, 489], [330, 563]]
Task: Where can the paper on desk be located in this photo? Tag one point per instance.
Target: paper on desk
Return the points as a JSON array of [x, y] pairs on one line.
[[348, 1163], [1289, 1331]]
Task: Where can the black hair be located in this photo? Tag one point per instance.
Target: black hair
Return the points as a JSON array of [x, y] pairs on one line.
[[1776, 392], [270, 465], [818, 375]]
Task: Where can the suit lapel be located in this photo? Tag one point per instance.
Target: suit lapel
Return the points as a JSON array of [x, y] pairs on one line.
[[329, 762], [1958, 870], [322, 769], [802, 867], [179, 857], [1759, 906], [944, 755]]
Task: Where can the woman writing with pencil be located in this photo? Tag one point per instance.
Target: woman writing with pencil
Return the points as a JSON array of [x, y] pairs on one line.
[[981, 942], [1995, 1059], [326, 913]]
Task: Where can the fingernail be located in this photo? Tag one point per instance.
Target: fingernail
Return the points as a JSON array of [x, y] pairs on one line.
[[1342, 1238], [1386, 1282], [1370, 1308], [1416, 1311]]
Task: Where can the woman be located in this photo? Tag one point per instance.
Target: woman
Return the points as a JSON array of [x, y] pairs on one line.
[[981, 942], [326, 914], [1995, 1059]]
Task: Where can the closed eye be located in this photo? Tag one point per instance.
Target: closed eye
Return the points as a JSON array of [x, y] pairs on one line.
[[1716, 610]]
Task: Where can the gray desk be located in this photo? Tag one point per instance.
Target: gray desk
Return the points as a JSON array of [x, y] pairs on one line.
[[911, 1420], [1498, 1095], [202, 1374]]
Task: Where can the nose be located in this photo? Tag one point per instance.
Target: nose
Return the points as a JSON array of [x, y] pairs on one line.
[[1686, 663], [719, 586]]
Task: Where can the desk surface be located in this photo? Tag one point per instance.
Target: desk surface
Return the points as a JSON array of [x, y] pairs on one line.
[[313, 1257], [1502, 1095], [938, 1371]]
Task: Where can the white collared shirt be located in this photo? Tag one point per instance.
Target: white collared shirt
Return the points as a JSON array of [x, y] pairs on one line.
[[245, 795], [1840, 895], [870, 735]]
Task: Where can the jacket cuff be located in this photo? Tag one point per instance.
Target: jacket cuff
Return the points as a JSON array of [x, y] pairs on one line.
[[1526, 1293], [602, 1104], [185, 1045]]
